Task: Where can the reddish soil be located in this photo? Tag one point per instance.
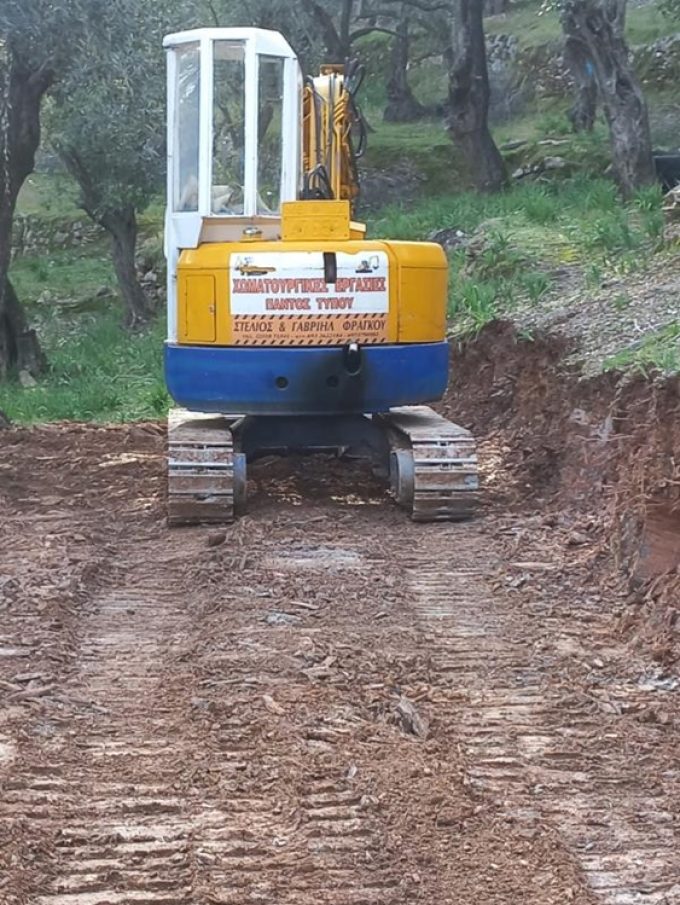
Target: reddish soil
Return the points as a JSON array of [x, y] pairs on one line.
[[335, 705], [603, 452]]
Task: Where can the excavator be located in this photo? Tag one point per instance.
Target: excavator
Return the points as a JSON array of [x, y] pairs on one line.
[[289, 330]]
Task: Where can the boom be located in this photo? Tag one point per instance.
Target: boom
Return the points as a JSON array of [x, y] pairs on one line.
[[333, 134]]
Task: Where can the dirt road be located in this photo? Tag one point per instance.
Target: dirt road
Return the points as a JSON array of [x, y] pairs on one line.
[[332, 706]]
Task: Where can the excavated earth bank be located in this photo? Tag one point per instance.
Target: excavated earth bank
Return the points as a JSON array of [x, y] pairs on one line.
[[605, 447], [330, 705]]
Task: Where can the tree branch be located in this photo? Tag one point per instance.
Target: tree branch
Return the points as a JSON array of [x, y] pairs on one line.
[[213, 12], [331, 38], [369, 30], [430, 7]]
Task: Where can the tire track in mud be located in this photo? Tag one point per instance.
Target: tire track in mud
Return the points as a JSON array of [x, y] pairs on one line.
[[536, 746], [145, 801], [277, 713], [105, 804], [222, 726]]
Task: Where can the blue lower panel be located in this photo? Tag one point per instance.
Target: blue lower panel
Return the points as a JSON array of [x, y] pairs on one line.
[[312, 381]]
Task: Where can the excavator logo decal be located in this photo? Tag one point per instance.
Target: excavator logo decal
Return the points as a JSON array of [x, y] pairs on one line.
[[246, 268], [369, 265]]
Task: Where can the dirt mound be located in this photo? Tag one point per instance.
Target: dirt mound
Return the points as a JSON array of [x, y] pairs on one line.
[[607, 448]]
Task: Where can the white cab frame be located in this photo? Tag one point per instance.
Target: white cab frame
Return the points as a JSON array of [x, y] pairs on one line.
[[189, 229]]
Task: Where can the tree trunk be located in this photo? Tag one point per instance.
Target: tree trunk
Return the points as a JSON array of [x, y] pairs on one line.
[[584, 109], [468, 101], [346, 15], [21, 92], [122, 227], [402, 106], [336, 41], [598, 27], [19, 344]]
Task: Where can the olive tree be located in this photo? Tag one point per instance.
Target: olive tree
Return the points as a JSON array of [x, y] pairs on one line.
[[36, 40], [338, 25], [107, 123], [398, 19], [596, 28]]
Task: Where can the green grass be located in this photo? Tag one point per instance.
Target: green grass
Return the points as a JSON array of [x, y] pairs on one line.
[[647, 23], [520, 206], [643, 24], [70, 276], [524, 234], [422, 147], [405, 138], [543, 119], [427, 149], [658, 352], [98, 372], [525, 22], [51, 196]]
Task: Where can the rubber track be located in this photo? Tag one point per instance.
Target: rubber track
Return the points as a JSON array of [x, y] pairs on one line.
[[200, 469], [445, 464]]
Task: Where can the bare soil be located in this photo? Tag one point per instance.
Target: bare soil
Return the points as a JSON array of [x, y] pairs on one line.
[[600, 455], [332, 704]]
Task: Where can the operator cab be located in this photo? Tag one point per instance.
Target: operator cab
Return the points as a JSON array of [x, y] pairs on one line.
[[233, 132], [234, 98]]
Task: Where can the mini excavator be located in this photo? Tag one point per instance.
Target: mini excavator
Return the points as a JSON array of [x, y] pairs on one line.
[[289, 331]]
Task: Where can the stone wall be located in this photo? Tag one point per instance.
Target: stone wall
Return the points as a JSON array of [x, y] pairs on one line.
[[509, 90], [543, 67], [658, 64], [34, 235]]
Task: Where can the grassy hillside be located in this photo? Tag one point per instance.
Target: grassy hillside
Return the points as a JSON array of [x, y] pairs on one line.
[[644, 24], [562, 236]]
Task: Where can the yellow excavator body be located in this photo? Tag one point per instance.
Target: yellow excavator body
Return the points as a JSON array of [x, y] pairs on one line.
[[290, 330]]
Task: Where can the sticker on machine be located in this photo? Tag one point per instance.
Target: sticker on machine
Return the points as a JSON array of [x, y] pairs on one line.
[[308, 298]]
